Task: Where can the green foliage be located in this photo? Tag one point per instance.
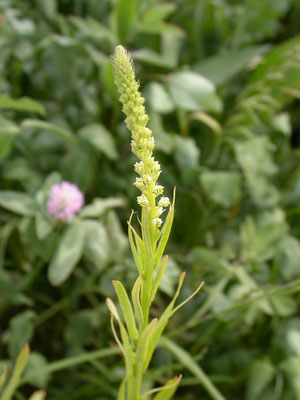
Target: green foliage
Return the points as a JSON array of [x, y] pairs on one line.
[[221, 82]]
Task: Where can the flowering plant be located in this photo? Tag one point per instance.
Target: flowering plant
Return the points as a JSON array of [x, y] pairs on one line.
[[139, 335]]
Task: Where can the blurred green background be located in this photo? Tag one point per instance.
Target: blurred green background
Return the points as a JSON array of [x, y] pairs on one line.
[[221, 80]]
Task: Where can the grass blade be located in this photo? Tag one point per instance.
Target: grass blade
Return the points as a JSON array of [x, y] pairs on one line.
[[184, 357], [17, 373]]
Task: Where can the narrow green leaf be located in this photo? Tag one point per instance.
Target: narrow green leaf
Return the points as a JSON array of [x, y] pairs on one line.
[[125, 344], [163, 322], [137, 247], [3, 376], [208, 120], [136, 300], [146, 229], [127, 310], [142, 352], [100, 138], [70, 362], [188, 299], [122, 388], [158, 277], [185, 358], [165, 232], [17, 373], [117, 339], [112, 308], [167, 391]]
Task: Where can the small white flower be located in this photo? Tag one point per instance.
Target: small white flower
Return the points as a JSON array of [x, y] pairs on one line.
[[143, 142], [139, 183], [157, 222], [139, 167], [158, 189], [150, 143], [164, 202], [147, 179], [143, 201]]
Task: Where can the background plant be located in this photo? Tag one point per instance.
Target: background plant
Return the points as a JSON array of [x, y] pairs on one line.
[[221, 82]]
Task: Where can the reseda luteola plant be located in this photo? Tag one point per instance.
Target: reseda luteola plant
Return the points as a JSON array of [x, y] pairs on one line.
[[138, 336]]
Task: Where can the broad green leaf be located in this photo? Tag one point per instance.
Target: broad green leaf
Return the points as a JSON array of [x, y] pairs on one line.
[[124, 16], [46, 126], [282, 124], [5, 145], [261, 375], [225, 66], [21, 331], [8, 128], [157, 14], [17, 202], [19, 367], [289, 257], [262, 17], [127, 311], [7, 131], [43, 225], [67, 254], [79, 166], [186, 153], [100, 138], [292, 338], [21, 104], [184, 357], [99, 206], [80, 326], [222, 187], [283, 304], [159, 99], [48, 7], [254, 157], [207, 259], [291, 367], [91, 28], [36, 373], [97, 247], [153, 58], [193, 92]]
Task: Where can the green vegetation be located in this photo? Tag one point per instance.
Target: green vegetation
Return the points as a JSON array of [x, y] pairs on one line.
[[221, 79]]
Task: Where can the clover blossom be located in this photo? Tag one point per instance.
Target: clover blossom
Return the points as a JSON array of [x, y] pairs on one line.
[[142, 143], [65, 200]]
